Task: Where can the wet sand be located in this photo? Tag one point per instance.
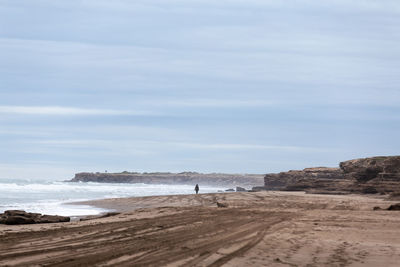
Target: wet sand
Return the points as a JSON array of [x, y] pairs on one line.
[[255, 229]]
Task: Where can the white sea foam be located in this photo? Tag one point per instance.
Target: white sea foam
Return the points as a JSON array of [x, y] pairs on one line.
[[50, 197]]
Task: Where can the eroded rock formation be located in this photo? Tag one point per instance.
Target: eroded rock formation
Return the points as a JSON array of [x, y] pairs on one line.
[[21, 217], [367, 175], [300, 178], [363, 170]]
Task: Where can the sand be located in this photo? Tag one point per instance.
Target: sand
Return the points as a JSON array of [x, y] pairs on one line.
[[255, 229]]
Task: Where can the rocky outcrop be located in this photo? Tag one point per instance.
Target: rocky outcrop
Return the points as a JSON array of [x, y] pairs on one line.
[[189, 178], [394, 207], [13, 217], [373, 175], [221, 205], [300, 179], [367, 176], [363, 170]]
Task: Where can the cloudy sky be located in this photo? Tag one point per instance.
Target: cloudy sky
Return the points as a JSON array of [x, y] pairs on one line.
[[244, 86]]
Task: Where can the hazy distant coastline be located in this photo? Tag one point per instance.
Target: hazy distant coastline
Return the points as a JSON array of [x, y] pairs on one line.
[[185, 178]]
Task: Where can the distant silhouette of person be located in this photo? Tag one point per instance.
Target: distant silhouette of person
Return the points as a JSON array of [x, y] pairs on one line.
[[196, 188]]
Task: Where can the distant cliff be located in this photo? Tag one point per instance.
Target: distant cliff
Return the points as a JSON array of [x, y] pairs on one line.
[[366, 175], [189, 178]]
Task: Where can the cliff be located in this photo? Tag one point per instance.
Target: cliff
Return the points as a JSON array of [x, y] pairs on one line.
[[376, 168], [189, 178], [279, 181], [366, 175]]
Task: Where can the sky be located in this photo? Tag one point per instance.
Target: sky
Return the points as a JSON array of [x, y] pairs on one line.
[[237, 86]]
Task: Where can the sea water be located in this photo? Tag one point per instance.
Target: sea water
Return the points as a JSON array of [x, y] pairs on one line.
[[51, 197]]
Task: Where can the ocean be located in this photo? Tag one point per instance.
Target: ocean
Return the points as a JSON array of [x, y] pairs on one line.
[[52, 197]]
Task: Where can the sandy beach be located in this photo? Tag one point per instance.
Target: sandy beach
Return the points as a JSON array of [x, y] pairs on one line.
[[254, 229]]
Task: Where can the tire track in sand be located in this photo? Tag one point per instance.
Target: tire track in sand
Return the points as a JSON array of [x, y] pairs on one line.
[[194, 236]]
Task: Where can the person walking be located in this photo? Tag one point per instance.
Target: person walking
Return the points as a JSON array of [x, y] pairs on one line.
[[196, 188]]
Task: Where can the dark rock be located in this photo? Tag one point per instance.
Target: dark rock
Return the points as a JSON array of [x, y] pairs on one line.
[[394, 207], [300, 186], [221, 205], [369, 190], [377, 208], [3, 219], [230, 190], [15, 213], [13, 217], [52, 219], [12, 220], [18, 217], [240, 189]]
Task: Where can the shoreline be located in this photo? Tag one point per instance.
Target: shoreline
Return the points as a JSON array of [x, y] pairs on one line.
[[54, 197], [253, 228], [127, 204]]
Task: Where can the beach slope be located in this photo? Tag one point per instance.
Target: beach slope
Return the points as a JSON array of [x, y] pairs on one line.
[[228, 229]]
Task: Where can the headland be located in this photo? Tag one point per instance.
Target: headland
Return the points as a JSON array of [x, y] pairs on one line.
[[184, 178]]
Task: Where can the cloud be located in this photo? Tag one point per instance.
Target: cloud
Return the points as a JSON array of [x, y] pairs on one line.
[[171, 145], [225, 146], [207, 102], [232, 84], [391, 6], [35, 171], [65, 111]]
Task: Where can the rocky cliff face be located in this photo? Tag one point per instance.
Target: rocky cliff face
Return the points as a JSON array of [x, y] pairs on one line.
[[282, 180], [190, 178], [381, 168], [367, 175]]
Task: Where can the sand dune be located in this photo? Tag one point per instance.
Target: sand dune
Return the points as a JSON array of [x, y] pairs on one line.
[[255, 229]]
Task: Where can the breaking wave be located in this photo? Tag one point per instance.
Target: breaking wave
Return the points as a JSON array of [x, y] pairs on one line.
[[51, 197]]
